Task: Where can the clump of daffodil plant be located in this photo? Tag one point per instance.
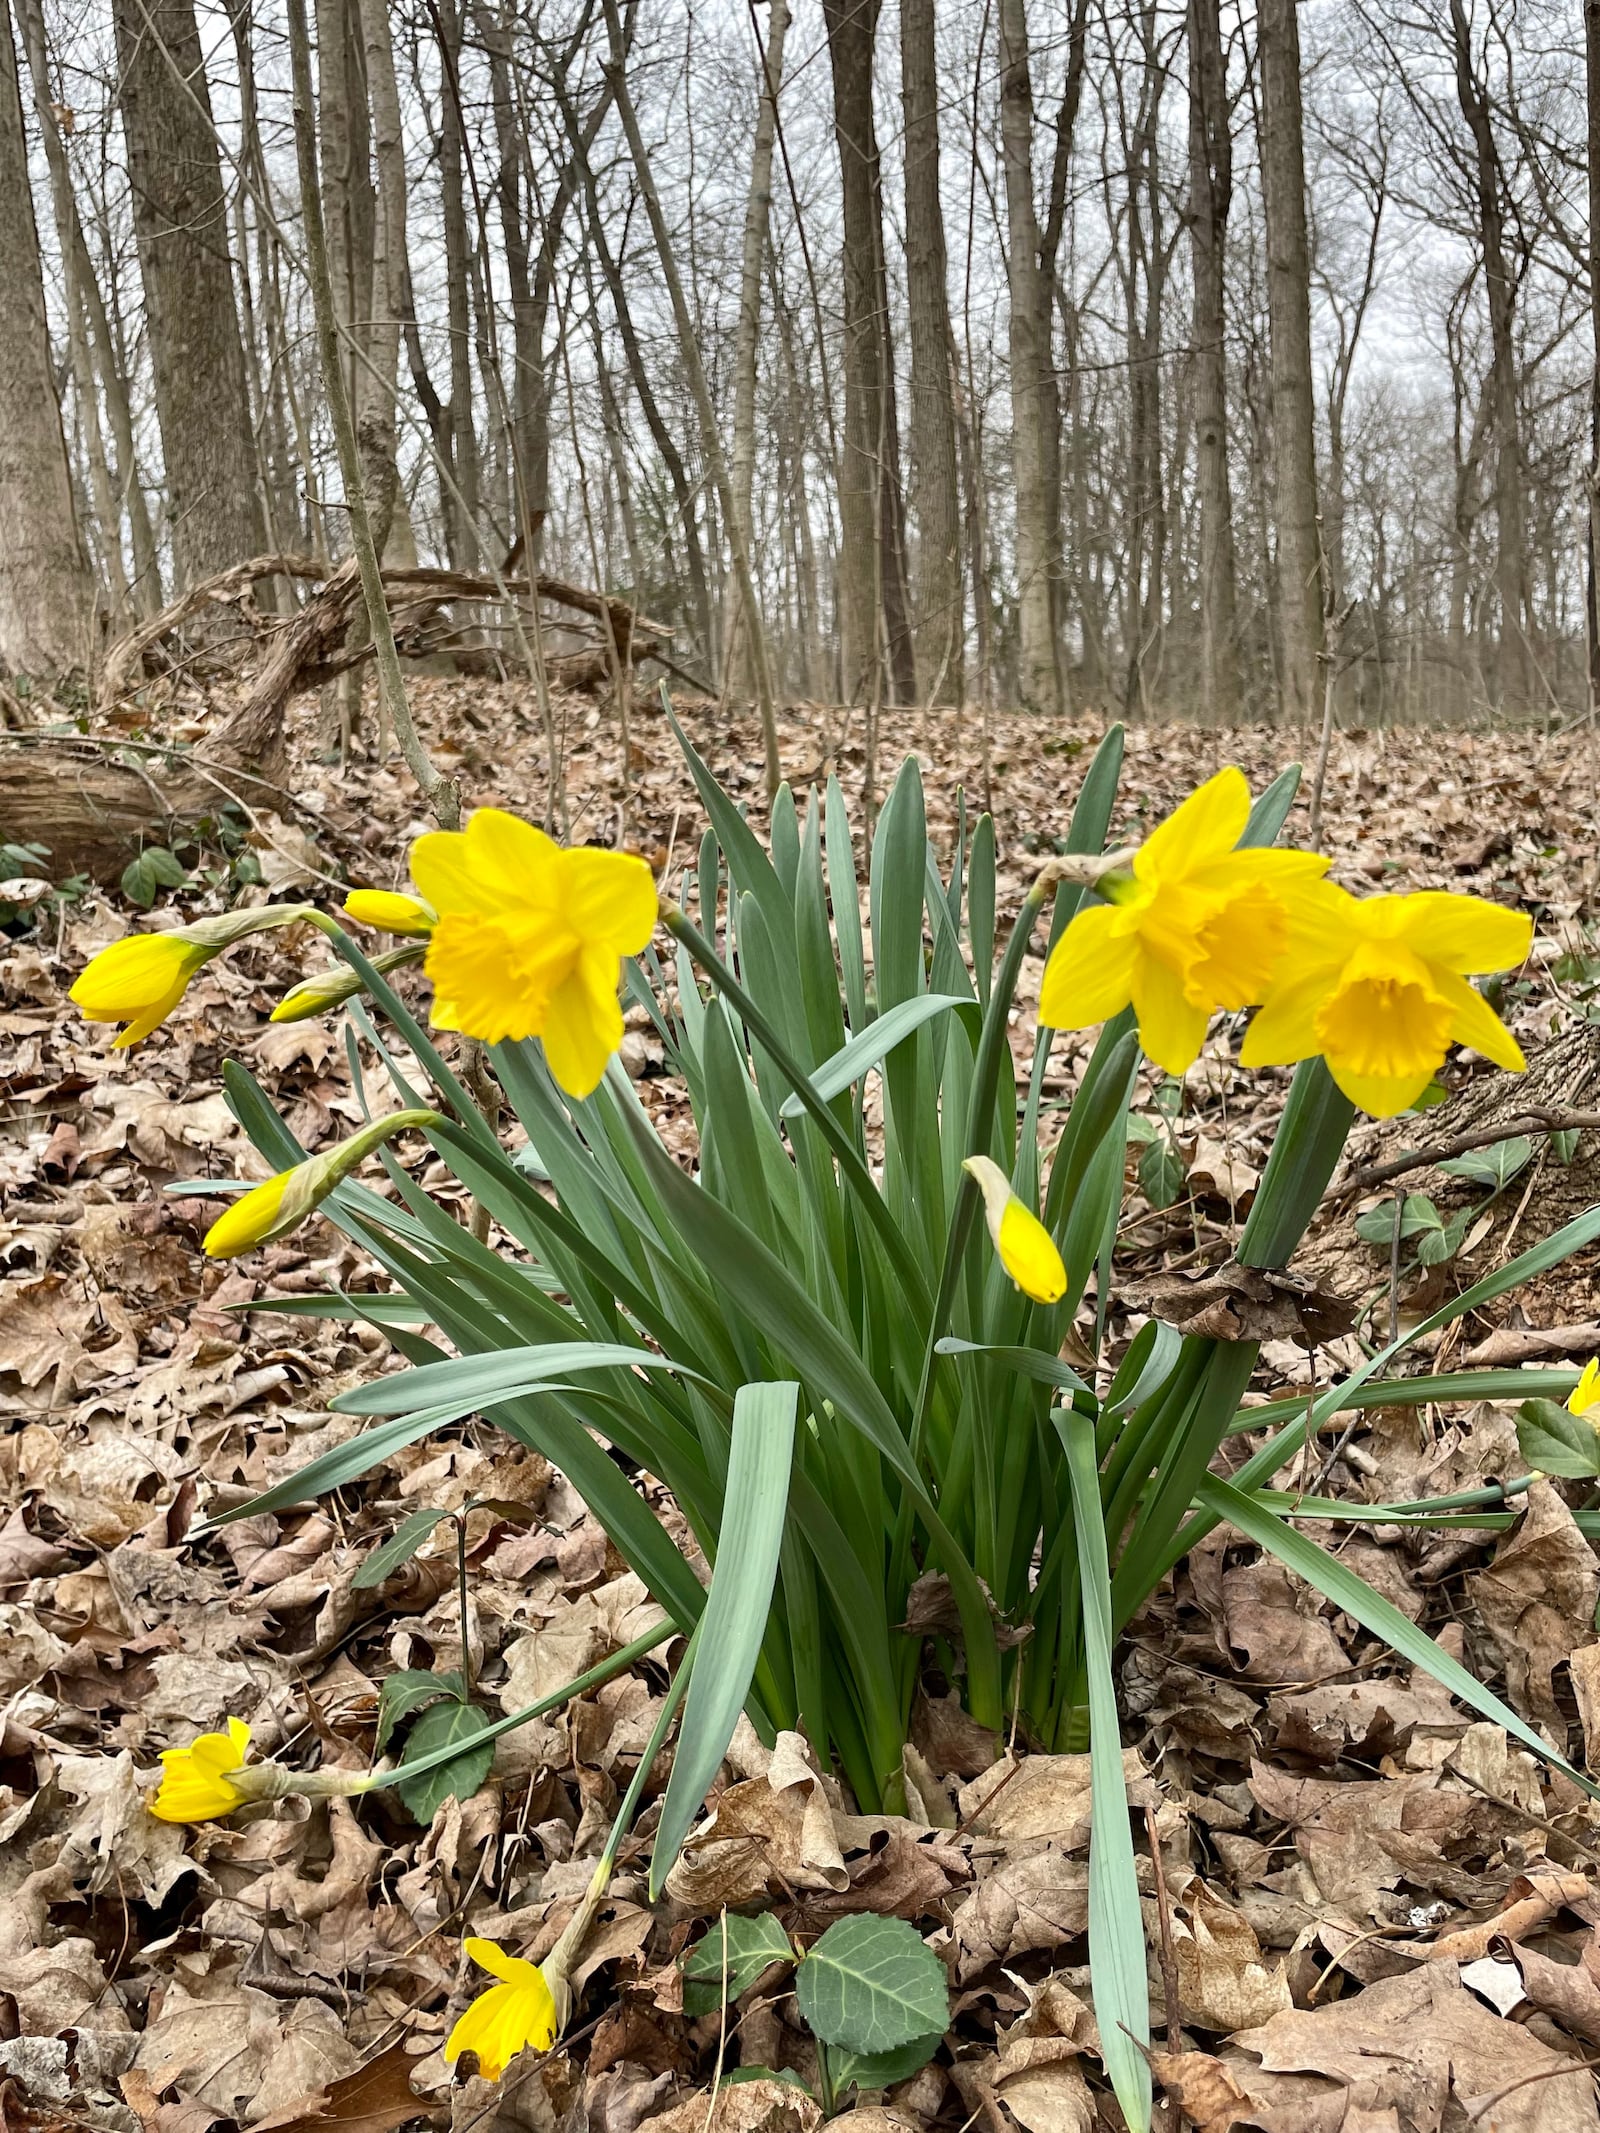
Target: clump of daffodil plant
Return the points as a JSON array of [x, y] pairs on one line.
[[846, 1380]]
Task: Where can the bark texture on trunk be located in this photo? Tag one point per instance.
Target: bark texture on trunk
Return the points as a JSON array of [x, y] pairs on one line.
[[1511, 667], [1294, 449], [757, 215], [1210, 197], [180, 221], [872, 585], [46, 591], [936, 588], [1039, 658]]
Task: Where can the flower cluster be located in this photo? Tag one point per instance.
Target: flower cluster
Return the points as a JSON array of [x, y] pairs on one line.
[[1376, 986]]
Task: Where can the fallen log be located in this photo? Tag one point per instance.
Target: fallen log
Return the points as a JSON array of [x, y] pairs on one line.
[[93, 801]]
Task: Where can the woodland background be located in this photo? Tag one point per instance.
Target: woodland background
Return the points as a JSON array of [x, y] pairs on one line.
[[1059, 353]]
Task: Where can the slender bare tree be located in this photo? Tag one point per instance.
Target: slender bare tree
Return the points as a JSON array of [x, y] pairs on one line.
[[46, 588], [180, 220], [1210, 200], [1294, 450], [1039, 677], [936, 582]]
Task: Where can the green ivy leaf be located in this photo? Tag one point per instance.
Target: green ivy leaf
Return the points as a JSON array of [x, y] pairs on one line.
[[441, 1727], [1161, 1173], [880, 2070], [1556, 1441], [873, 1985], [1494, 1166], [406, 1692], [754, 1944]]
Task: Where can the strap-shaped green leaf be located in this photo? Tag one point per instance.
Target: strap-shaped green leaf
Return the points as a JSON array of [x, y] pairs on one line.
[[735, 1618], [463, 1383], [1119, 1979], [1339, 1583], [863, 1052]]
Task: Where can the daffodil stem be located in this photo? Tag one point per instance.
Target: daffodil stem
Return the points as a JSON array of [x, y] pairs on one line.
[[557, 1965]]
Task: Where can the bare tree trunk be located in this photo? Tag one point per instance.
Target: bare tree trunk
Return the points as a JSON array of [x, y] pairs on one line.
[[688, 348], [47, 593], [1294, 450], [180, 221], [79, 268], [460, 516], [1039, 664], [757, 215], [872, 546], [937, 604], [1210, 198], [375, 398], [1512, 663], [683, 489]]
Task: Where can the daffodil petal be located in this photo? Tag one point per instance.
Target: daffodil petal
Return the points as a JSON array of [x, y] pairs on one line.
[[1477, 1024], [520, 860], [583, 1024], [1171, 1028], [609, 898], [1384, 1096], [1089, 977], [1586, 1393], [490, 1956], [1284, 1028], [1203, 827], [1465, 934]]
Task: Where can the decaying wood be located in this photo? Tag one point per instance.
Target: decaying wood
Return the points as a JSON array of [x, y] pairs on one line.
[[92, 802]]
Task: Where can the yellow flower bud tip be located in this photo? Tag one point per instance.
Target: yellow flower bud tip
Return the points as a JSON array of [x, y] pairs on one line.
[[1192, 925], [138, 980], [1585, 1395], [1378, 986], [197, 1781], [270, 1210], [531, 938], [518, 2012], [390, 912], [253, 1219], [1026, 1248]]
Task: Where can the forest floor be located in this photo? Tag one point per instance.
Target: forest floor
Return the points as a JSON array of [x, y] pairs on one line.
[[1382, 1915]]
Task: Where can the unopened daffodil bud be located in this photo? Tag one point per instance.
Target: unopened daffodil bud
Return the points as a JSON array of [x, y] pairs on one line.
[[1584, 1397], [1026, 1248], [211, 1777], [141, 978], [283, 1202], [517, 2012], [331, 988], [388, 911]]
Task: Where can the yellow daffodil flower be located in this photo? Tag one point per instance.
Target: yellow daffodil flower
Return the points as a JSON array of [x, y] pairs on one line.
[[197, 1781], [141, 978], [283, 1202], [501, 2022], [331, 988], [1585, 1395], [1026, 1248], [531, 937], [1197, 925], [1378, 985], [389, 912]]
